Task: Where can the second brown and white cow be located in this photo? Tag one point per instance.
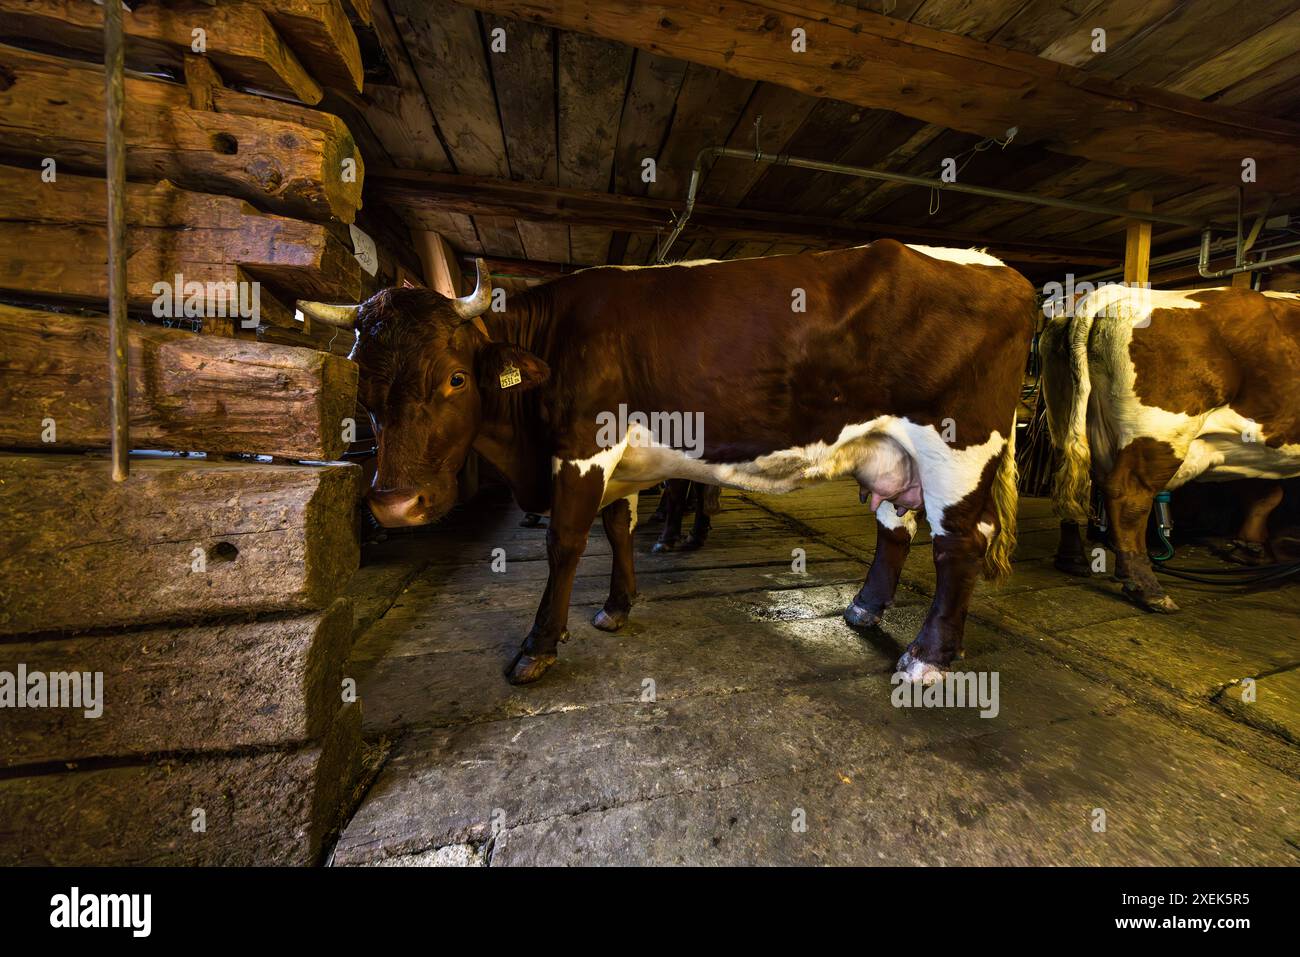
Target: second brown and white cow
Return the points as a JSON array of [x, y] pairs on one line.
[[899, 366], [1147, 390]]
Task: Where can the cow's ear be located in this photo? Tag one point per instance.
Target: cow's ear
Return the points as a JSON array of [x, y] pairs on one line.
[[507, 366]]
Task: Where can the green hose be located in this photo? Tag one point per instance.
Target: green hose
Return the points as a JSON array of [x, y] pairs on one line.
[[1163, 526]]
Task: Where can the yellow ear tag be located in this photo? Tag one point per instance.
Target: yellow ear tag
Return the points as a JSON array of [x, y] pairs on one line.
[[510, 376]]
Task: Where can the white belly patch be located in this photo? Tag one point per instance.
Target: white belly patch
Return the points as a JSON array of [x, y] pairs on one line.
[[893, 459], [1229, 446]]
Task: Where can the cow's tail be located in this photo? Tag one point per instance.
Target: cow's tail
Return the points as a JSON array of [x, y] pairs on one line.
[[1073, 485], [997, 558]]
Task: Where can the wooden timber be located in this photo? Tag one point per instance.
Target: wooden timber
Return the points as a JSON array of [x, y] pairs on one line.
[[238, 38], [278, 807], [182, 539], [279, 156], [188, 392], [208, 687]]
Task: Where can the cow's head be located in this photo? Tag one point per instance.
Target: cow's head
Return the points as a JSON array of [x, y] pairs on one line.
[[425, 361]]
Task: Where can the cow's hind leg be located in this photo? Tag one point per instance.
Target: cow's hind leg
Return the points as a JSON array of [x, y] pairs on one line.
[[1142, 468], [1260, 497], [893, 541], [619, 520], [575, 501], [958, 555]]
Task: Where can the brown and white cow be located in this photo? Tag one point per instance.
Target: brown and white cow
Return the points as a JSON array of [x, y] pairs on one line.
[[1147, 390], [899, 366]]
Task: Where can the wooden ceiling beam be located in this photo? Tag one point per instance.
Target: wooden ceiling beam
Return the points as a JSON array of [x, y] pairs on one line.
[[417, 194], [953, 81]]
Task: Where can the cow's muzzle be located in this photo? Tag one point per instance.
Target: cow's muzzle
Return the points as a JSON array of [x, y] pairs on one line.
[[397, 507]]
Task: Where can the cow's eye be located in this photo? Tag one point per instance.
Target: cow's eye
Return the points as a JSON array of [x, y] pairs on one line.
[[457, 380]]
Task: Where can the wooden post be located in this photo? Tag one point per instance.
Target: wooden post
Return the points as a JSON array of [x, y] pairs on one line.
[[441, 270], [1137, 242], [115, 148]]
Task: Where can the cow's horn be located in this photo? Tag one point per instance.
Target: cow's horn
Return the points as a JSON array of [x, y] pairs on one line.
[[345, 317], [477, 302]]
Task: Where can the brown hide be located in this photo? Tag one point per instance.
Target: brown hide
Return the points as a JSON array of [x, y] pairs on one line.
[[1240, 349], [887, 331]]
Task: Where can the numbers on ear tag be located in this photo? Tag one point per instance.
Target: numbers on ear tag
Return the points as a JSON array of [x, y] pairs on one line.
[[510, 376]]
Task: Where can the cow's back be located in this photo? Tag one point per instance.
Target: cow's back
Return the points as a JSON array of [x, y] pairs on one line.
[[884, 329]]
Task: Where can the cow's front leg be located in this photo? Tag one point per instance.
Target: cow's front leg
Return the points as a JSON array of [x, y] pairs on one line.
[[894, 535], [619, 520], [674, 506], [574, 503], [957, 559], [1070, 557]]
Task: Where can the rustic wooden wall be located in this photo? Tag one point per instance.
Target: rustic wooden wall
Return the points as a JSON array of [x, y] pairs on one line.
[[204, 591]]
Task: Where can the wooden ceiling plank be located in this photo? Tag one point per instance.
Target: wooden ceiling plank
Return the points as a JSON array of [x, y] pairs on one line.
[[783, 111], [1194, 32], [890, 149], [822, 135], [1262, 89], [456, 228], [647, 113], [1277, 42], [547, 242], [1039, 22], [708, 105], [592, 81], [1121, 19], [399, 116], [499, 236], [446, 50], [927, 162], [952, 81], [978, 19]]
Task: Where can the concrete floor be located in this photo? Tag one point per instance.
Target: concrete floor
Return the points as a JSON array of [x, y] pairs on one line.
[[769, 713]]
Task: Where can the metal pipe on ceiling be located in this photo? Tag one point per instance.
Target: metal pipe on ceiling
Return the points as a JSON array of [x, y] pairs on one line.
[[1203, 261], [1168, 259], [863, 172], [115, 147]]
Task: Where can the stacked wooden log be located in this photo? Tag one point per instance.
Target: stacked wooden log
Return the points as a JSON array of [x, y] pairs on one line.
[[172, 646]]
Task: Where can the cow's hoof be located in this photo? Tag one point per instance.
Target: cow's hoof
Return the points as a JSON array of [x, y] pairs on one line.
[[859, 617], [918, 671], [526, 668], [1157, 603], [660, 547], [1164, 604], [1072, 566], [609, 621], [690, 543], [1242, 553]]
